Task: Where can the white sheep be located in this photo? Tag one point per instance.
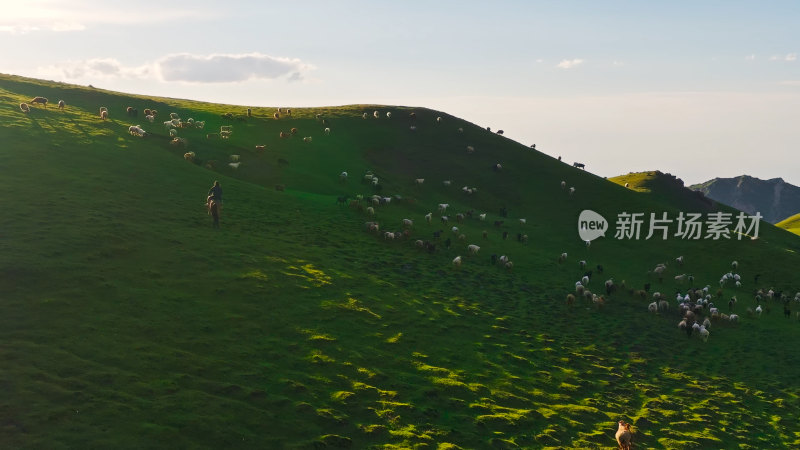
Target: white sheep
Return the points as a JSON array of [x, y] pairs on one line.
[[173, 132], [454, 230], [376, 114], [523, 221], [582, 264], [733, 318], [679, 260], [24, 108], [562, 257], [235, 165], [343, 176], [563, 185], [703, 333], [473, 249], [103, 108], [225, 134], [443, 207], [439, 119], [408, 223], [571, 190], [374, 181], [174, 116], [388, 235], [759, 310], [412, 127], [226, 128], [370, 210], [735, 264], [168, 124], [104, 115], [460, 130], [585, 280], [470, 149], [364, 116], [307, 139], [327, 131], [61, 104], [419, 181], [653, 307], [388, 114], [150, 118], [457, 261], [429, 217], [446, 182], [177, 122]]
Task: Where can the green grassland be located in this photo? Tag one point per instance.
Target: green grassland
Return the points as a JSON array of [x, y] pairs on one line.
[[127, 321], [791, 224]]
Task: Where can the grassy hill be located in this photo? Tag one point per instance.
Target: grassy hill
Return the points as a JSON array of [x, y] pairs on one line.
[[127, 321], [791, 224]]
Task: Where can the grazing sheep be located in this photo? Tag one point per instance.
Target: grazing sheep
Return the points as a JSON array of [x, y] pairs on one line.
[[364, 116], [408, 223], [482, 216], [523, 221], [460, 130], [24, 108], [327, 131], [376, 114], [40, 100], [419, 181], [104, 115], [388, 114], [759, 310], [470, 149], [663, 305], [703, 333], [428, 217], [189, 156], [225, 134], [443, 207], [653, 307], [446, 182], [454, 230], [308, 139], [509, 266], [174, 116], [61, 104], [578, 165], [571, 190], [585, 280], [370, 210], [570, 299], [563, 185], [136, 130], [173, 132], [733, 318], [439, 119], [627, 185], [497, 167], [150, 118], [473, 249], [457, 261], [582, 264], [680, 278], [103, 108], [679, 260], [234, 165], [735, 265], [276, 116], [260, 148], [179, 141], [562, 258], [412, 127]]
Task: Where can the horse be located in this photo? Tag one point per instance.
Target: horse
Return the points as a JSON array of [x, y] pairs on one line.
[[213, 209]]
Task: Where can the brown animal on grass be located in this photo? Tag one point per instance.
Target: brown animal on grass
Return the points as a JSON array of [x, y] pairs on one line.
[[623, 435], [41, 100], [213, 209]]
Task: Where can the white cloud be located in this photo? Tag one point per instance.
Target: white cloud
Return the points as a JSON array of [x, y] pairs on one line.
[[184, 67], [539, 60], [750, 57], [227, 68], [568, 64], [787, 57]]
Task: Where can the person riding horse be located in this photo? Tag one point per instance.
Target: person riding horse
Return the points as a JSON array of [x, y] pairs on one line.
[[215, 193]]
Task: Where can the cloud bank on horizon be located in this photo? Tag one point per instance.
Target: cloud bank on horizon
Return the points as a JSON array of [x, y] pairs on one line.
[[184, 67]]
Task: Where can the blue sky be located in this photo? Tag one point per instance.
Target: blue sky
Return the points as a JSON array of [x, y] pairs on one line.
[[698, 89]]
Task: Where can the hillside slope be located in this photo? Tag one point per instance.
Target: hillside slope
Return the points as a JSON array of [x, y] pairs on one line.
[[791, 224], [774, 199], [127, 321]]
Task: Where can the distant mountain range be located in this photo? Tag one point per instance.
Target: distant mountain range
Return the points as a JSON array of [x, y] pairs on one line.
[[775, 199]]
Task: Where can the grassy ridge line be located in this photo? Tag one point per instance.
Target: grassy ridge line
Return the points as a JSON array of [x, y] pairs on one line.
[[292, 325], [791, 224]]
